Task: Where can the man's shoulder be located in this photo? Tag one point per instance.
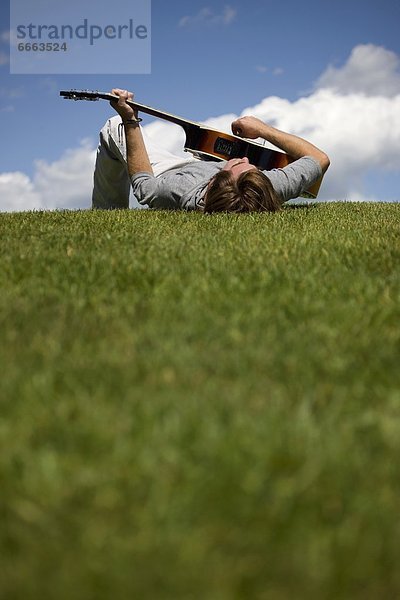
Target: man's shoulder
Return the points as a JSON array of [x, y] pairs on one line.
[[291, 181]]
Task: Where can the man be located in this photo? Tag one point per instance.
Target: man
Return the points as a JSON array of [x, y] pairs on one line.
[[160, 179]]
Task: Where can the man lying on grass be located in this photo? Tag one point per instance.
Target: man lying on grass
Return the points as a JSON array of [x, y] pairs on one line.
[[160, 179]]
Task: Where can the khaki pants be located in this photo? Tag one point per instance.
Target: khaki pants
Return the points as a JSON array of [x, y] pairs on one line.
[[111, 184]]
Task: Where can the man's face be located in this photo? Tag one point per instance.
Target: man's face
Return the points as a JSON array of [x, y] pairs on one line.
[[237, 166]]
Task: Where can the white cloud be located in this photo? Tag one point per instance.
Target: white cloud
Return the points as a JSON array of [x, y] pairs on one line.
[[64, 183], [171, 137], [370, 70], [209, 17], [17, 192], [222, 123]]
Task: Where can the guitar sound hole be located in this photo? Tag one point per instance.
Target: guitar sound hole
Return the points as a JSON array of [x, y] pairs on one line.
[[226, 147]]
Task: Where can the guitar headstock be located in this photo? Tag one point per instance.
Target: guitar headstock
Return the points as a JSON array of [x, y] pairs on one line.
[[80, 95]]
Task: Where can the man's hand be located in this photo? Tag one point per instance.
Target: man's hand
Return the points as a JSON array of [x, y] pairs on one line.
[[125, 111], [248, 127]]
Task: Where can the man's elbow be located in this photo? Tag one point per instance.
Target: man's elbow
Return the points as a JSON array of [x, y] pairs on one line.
[[324, 161]]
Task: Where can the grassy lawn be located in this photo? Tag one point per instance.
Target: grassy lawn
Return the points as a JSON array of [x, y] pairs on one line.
[[200, 407]]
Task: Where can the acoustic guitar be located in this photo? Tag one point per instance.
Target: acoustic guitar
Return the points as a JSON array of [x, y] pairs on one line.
[[207, 143]]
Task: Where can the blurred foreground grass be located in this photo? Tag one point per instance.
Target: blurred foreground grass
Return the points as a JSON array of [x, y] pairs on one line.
[[200, 407]]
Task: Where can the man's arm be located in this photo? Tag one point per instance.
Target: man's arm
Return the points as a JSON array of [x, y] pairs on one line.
[[136, 153], [295, 146]]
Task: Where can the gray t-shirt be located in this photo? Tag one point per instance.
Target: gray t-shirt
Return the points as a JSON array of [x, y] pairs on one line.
[[183, 188]]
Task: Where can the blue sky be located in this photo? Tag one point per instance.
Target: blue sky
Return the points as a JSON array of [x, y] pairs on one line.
[[212, 60]]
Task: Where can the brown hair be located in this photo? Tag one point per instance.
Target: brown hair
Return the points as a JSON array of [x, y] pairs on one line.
[[251, 191]]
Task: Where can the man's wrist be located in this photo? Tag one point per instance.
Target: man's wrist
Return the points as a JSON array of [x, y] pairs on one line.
[[266, 131], [131, 122]]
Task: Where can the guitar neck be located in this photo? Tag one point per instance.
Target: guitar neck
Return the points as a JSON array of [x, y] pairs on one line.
[[152, 111]]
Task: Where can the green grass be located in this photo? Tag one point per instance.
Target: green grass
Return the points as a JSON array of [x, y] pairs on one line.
[[200, 407]]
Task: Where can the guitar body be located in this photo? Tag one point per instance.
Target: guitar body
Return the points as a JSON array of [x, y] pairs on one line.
[[224, 146], [206, 143]]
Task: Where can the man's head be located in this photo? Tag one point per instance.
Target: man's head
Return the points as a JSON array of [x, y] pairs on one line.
[[240, 187]]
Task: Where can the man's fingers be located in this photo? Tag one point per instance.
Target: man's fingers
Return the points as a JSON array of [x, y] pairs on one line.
[[122, 97], [122, 94], [236, 129]]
